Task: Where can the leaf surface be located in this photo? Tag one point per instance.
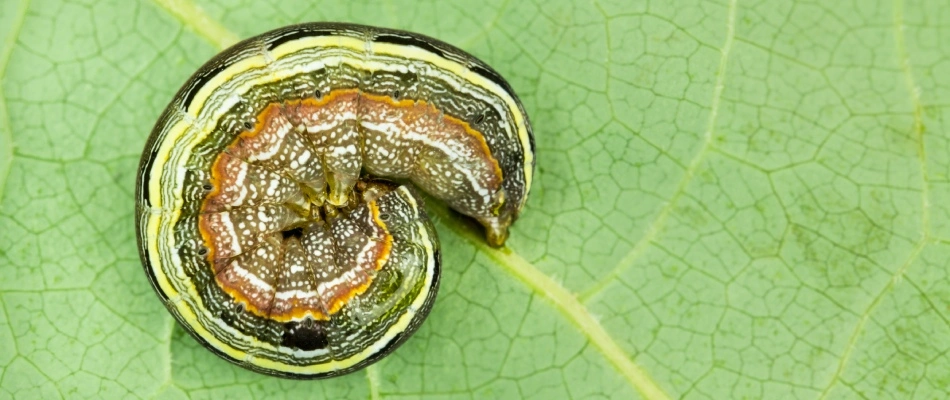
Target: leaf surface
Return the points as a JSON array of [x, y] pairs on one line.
[[734, 199]]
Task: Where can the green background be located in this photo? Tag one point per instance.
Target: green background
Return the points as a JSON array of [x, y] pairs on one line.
[[734, 199]]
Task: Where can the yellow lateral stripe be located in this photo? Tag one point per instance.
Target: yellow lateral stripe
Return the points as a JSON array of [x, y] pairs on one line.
[[246, 64], [156, 257]]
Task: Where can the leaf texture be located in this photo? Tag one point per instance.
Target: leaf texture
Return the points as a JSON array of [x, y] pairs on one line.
[[734, 199]]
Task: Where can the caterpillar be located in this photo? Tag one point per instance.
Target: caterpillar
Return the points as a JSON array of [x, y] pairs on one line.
[[277, 211]]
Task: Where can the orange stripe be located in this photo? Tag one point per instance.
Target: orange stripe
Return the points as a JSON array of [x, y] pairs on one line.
[[382, 258]]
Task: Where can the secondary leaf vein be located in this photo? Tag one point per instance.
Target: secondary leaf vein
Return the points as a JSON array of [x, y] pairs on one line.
[[660, 221], [925, 239], [6, 133]]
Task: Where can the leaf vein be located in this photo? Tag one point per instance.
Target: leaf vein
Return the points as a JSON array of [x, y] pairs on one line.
[[925, 238], [192, 16], [568, 305], [6, 133], [660, 221], [372, 377]]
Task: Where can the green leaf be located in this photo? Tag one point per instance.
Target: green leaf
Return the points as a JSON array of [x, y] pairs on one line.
[[736, 199]]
